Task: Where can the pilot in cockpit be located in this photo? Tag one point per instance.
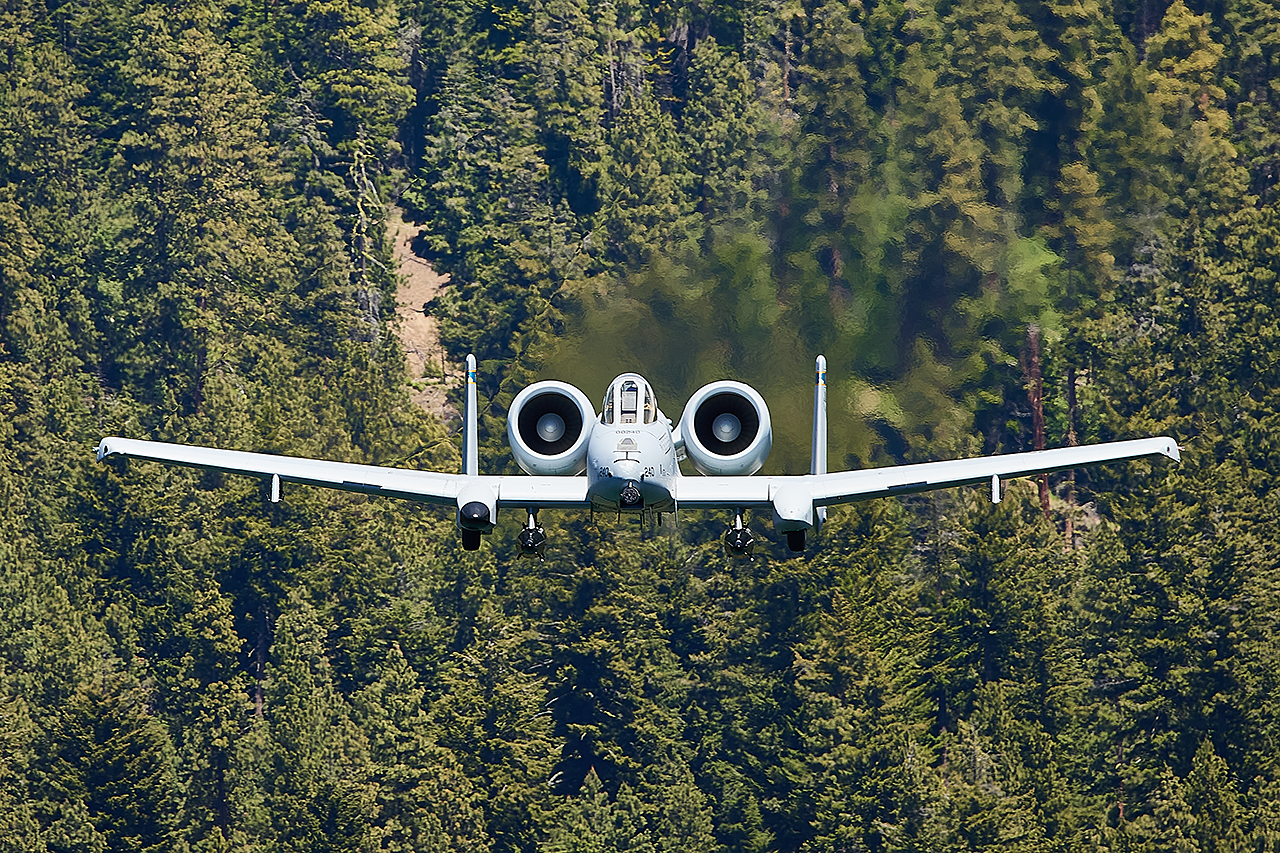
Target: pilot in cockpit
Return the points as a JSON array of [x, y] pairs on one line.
[[629, 400]]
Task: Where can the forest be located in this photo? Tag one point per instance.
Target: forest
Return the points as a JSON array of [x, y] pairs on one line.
[[1007, 224]]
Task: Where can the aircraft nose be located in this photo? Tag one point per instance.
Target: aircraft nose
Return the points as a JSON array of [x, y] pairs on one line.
[[626, 469]]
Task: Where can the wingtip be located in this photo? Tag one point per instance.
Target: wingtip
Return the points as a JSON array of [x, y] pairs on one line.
[[1172, 450], [110, 446]]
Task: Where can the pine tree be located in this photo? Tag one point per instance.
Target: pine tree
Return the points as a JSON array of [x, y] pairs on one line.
[[1171, 822], [1183, 69], [1265, 813], [567, 90], [209, 693], [677, 812], [998, 62], [1251, 63], [349, 59], [491, 717], [720, 124], [317, 787], [423, 796], [849, 205], [17, 807], [590, 823], [1213, 798], [1084, 40], [856, 732], [645, 206], [492, 221], [106, 774], [1131, 148], [200, 249]]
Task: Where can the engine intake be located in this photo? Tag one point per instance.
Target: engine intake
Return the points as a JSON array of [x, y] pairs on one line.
[[725, 429], [548, 426]]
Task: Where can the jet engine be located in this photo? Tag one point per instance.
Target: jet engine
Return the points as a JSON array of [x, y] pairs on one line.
[[548, 426], [725, 429]]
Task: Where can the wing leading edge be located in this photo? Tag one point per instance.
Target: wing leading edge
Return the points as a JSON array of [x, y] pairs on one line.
[[692, 492], [427, 486], [848, 486]]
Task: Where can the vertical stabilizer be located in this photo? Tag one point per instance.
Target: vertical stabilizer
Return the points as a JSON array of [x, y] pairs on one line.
[[818, 454], [470, 431]]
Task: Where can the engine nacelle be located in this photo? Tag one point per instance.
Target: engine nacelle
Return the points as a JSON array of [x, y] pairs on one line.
[[725, 429], [548, 427]]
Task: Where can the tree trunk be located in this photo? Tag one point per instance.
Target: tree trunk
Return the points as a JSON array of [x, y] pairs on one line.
[[1035, 395], [1072, 441]]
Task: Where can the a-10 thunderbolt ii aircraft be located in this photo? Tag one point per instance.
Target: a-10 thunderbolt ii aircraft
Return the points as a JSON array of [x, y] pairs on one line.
[[625, 459]]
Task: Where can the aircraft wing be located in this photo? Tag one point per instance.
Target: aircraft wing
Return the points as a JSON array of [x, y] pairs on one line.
[[428, 486], [849, 486]]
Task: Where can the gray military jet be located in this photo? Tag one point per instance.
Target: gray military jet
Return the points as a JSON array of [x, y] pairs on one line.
[[625, 458]]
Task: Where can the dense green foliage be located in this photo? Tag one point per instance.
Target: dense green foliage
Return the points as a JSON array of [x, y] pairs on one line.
[[192, 248]]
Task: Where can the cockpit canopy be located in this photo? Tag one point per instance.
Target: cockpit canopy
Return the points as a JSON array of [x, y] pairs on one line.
[[629, 400]]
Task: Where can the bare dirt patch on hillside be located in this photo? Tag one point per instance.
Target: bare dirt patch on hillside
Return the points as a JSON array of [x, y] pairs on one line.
[[430, 373]]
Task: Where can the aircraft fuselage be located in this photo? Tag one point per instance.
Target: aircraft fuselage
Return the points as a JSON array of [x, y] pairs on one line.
[[632, 467]]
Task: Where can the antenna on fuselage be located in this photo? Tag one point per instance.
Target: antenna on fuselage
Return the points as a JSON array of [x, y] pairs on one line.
[[470, 431]]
